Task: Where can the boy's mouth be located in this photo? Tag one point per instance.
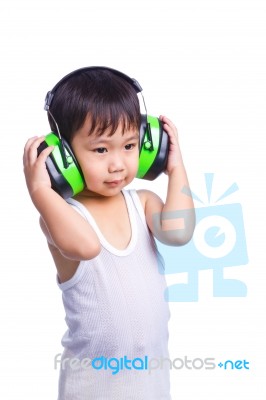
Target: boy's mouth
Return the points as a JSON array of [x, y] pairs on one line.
[[115, 182]]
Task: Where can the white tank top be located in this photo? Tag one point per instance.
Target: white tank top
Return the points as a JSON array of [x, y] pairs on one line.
[[115, 308]]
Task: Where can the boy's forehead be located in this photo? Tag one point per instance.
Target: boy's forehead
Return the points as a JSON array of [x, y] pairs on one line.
[[126, 134], [122, 128]]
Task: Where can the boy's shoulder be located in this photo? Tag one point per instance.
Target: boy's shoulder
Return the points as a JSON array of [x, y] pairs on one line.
[[148, 198]]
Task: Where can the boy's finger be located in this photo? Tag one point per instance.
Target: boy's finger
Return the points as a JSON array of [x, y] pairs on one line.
[[45, 153], [31, 147], [27, 147], [32, 141]]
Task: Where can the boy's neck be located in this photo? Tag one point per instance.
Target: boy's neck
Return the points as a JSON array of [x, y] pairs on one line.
[[86, 195]]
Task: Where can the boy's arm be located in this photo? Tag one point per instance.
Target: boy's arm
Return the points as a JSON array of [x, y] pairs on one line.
[[171, 223], [63, 226]]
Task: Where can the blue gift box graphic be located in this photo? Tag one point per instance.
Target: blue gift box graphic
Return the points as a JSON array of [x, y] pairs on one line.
[[218, 242]]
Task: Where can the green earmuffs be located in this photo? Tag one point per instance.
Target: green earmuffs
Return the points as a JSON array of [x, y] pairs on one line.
[[63, 168]]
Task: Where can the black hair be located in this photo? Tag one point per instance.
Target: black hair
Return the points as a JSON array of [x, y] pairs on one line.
[[105, 97]]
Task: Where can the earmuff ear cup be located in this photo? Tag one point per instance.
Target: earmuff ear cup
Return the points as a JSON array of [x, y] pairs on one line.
[[67, 182], [154, 148]]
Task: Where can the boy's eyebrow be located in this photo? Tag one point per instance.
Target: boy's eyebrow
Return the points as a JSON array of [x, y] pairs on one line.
[[133, 137]]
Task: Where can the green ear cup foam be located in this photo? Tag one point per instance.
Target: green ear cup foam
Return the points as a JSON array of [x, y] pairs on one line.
[[147, 156], [72, 174]]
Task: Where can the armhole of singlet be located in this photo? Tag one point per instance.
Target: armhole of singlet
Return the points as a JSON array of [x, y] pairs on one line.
[[74, 279]]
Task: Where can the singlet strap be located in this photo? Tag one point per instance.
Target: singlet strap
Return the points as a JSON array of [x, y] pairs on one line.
[[138, 205]]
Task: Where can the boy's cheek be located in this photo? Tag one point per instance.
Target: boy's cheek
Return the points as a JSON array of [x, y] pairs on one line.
[[91, 180]]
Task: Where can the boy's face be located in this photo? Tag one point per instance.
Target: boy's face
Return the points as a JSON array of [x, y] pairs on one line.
[[108, 163]]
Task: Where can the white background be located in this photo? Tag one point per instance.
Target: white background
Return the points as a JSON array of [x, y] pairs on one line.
[[200, 62]]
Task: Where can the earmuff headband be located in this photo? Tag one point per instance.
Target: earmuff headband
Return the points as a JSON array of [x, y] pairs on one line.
[[50, 94]]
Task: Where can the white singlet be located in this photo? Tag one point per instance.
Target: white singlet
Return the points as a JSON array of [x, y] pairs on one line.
[[116, 313]]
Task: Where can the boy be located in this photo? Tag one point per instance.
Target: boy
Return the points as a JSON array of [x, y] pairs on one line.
[[102, 240]]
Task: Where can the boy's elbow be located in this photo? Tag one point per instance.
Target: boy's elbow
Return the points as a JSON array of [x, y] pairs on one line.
[[183, 239], [82, 252], [90, 251], [178, 236], [175, 238]]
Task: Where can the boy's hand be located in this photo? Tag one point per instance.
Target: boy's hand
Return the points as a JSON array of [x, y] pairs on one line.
[[174, 155], [35, 171]]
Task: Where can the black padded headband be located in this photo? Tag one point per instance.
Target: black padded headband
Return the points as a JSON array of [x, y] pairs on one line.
[[50, 94]]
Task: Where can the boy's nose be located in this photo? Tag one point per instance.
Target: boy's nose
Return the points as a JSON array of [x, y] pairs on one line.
[[116, 164]]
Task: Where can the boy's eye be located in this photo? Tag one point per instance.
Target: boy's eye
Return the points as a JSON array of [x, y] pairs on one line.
[[129, 146], [100, 150]]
